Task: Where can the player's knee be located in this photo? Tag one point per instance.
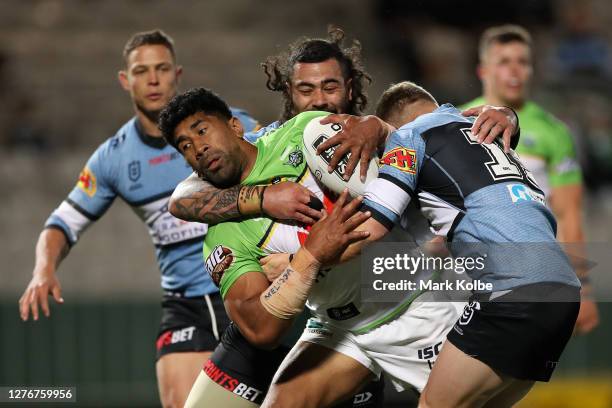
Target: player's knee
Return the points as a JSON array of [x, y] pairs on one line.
[[170, 397], [424, 400], [172, 393]]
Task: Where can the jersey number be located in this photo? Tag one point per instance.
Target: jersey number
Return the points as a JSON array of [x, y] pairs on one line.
[[502, 165]]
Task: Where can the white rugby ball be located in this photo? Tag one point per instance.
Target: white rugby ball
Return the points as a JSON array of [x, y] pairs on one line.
[[315, 134]]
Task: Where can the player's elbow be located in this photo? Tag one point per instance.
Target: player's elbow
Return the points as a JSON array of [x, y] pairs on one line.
[[180, 211], [264, 339], [173, 207]]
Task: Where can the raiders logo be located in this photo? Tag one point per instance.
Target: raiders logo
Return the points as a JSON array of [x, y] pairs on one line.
[[295, 158], [218, 261]]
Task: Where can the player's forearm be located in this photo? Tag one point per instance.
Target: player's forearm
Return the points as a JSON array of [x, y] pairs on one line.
[[51, 248], [260, 328], [376, 230], [200, 201], [566, 203], [204, 203], [570, 228]]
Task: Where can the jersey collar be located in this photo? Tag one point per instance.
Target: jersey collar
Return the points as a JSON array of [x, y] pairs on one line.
[[155, 142]]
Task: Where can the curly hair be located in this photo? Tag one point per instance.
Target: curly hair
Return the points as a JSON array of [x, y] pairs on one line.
[[279, 68], [189, 103]]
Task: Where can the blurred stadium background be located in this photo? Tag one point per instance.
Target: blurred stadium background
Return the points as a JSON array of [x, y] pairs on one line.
[[59, 99]]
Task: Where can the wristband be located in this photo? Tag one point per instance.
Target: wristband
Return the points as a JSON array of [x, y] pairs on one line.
[[250, 200]]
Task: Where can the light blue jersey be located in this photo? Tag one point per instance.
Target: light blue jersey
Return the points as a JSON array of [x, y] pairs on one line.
[[470, 193], [144, 172]]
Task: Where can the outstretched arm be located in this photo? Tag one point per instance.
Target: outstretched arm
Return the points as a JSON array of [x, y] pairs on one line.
[[51, 248]]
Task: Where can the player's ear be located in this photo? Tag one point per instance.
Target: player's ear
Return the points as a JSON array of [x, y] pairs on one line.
[[237, 127], [480, 71], [178, 72], [350, 89], [123, 80]]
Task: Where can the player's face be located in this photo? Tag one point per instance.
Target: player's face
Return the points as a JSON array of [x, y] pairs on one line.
[[506, 71], [319, 86], [211, 146], [151, 78]]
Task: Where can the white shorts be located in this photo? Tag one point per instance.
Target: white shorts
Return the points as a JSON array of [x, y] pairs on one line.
[[404, 348]]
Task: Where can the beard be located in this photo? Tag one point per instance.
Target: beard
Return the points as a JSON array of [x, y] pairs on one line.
[[224, 177]]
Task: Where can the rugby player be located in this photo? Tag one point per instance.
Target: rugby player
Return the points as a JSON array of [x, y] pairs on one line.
[[137, 165], [512, 335], [201, 127], [546, 147], [314, 74]]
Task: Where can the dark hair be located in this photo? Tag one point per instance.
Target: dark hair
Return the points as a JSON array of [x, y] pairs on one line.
[[279, 68], [399, 95], [153, 37], [502, 35], [189, 103]]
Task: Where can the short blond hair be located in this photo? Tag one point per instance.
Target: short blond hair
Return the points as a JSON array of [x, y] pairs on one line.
[[398, 96], [503, 34]]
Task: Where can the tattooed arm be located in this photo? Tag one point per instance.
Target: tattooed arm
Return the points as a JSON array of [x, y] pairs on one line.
[[195, 199]]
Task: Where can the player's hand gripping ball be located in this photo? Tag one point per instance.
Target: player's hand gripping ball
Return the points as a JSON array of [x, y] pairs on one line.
[[315, 134]]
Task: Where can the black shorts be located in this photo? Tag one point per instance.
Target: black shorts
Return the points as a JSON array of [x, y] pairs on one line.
[[514, 334], [190, 323], [247, 371]]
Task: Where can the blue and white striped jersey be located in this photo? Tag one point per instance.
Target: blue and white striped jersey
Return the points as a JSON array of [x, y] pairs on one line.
[[143, 171], [470, 193]]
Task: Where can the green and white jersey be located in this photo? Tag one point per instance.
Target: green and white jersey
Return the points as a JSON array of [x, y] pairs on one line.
[[546, 147], [232, 249]]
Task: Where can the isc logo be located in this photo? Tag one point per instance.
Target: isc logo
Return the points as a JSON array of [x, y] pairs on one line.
[[430, 353]]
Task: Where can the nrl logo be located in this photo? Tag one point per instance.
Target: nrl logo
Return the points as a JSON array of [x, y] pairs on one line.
[[295, 158]]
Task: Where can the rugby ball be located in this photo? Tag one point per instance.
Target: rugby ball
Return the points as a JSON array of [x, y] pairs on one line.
[[314, 134]]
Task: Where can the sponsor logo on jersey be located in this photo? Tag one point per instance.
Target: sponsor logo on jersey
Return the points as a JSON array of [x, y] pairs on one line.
[[175, 336], [295, 158], [134, 170], [568, 165], [402, 159], [218, 261], [520, 192], [232, 384], [468, 313], [327, 155], [116, 140], [362, 398], [164, 158], [87, 182], [430, 354], [344, 312], [315, 327]]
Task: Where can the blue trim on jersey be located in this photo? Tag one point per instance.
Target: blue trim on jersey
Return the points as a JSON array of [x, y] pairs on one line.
[[252, 137], [381, 214], [60, 226], [84, 212]]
